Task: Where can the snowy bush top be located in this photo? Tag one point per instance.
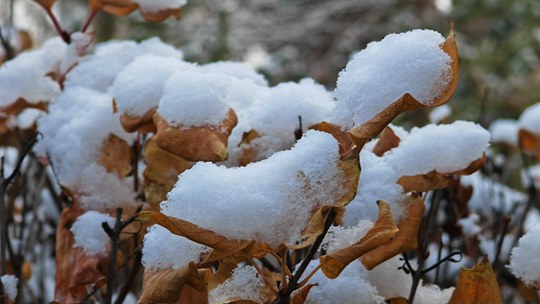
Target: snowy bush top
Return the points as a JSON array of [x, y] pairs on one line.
[[159, 5], [269, 201], [26, 76], [411, 62], [420, 151], [98, 71], [530, 119], [244, 283], [89, 234], [9, 282], [439, 114], [524, 262], [504, 131], [74, 131]]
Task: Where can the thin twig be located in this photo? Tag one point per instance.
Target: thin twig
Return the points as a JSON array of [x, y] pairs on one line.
[[88, 21]]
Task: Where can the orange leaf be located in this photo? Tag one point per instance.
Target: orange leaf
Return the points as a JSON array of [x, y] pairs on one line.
[[530, 142], [143, 124], [160, 15], [405, 239], [347, 149], [116, 156], [248, 153], [363, 133], [382, 232], [20, 105], [46, 4], [477, 285], [207, 143], [387, 141], [300, 296]]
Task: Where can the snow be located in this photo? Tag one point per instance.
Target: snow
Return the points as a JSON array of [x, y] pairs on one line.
[[194, 99], [469, 225], [239, 70], [25, 76], [178, 252], [339, 237], [524, 262], [73, 132], [159, 5], [89, 233], [98, 71], [530, 119], [269, 201], [504, 131], [139, 86], [9, 282], [411, 62], [438, 114], [245, 284], [351, 287], [392, 282]]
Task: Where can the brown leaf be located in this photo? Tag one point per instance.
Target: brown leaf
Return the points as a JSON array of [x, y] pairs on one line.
[[203, 236], [300, 296], [207, 143], [347, 148], [248, 152], [46, 4], [362, 134], [387, 141], [161, 172], [161, 15], [405, 239], [477, 285], [530, 142], [116, 156], [435, 180], [398, 300], [144, 124], [167, 285], [20, 105], [381, 233]]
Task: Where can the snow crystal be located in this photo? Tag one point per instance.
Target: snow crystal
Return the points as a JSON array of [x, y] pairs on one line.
[[28, 118], [159, 5], [25, 75], [445, 148], [177, 253], [270, 200], [194, 99], [73, 133], [392, 282], [504, 131], [245, 283], [351, 287], [339, 237], [530, 119], [411, 62], [524, 262], [89, 233], [240, 70], [9, 282], [469, 225], [139, 86], [98, 71], [438, 114], [273, 113]]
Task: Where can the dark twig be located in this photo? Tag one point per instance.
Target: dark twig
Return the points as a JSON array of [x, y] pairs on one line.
[[63, 34], [88, 21], [285, 294], [505, 220], [448, 258]]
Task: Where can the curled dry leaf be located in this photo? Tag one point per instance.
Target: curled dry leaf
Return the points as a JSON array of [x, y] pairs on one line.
[[19, 105], [404, 240], [477, 285], [161, 172], [143, 124], [166, 286], [161, 15], [116, 156], [388, 140], [248, 152], [362, 134], [300, 296], [207, 143], [530, 142], [204, 236], [382, 232], [435, 180], [347, 149]]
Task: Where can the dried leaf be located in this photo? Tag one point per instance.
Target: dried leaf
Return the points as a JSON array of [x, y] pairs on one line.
[[46, 4], [207, 143], [161, 15], [361, 134], [382, 232], [300, 296], [167, 285], [116, 156], [19, 105], [203, 236], [398, 300], [435, 180], [347, 149], [387, 141], [405, 239], [477, 285], [530, 142], [248, 152], [144, 124]]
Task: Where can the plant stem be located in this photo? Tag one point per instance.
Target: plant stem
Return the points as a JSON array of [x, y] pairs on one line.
[[88, 21]]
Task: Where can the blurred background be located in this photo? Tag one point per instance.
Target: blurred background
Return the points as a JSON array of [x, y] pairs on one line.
[[498, 40]]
